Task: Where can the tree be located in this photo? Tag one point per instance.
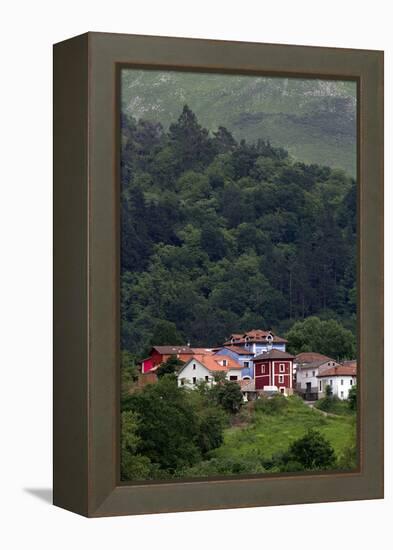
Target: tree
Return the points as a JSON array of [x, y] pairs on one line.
[[190, 142], [171, 366], [134, 466], [313, 451], [328, 391], [129, 372], [228, 395], [327, 337], [168, 426], [352, 398]]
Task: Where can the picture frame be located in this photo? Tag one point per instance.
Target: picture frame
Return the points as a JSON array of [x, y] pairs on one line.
[[86, 478]]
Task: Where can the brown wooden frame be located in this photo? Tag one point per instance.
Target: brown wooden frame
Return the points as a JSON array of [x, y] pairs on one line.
[[86, 273]]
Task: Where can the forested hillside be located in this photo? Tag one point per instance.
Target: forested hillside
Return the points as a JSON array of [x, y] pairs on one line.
[[220, 236], [315, 120]]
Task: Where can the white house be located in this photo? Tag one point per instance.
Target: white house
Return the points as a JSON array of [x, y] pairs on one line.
[[203, 368], [340, 378], [309, 366]]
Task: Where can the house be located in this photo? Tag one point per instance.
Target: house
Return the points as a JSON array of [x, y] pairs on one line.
[[242, 357], [308, 366], [203, 368], [160, 354], [257, 341], [273, 370], [341, 378]]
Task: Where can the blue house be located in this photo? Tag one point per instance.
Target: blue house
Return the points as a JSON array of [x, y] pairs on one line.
[[244, 347], [242, 356]]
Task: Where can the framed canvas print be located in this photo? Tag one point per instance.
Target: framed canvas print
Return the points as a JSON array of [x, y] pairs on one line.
[[218, 260]]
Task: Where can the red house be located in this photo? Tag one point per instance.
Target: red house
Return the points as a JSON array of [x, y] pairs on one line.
[[274, 368], [160, 354]]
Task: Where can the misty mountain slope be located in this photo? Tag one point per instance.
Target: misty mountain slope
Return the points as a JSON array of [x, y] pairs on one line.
[[315, 120]]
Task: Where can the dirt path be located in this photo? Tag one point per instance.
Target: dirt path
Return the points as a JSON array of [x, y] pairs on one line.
[[324, 413]]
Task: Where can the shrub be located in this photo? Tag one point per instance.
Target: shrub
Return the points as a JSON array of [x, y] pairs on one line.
[[333, 405], [313, 451], [223, 466], [349, 458], [352, 398], [271, 405], [228, 395]]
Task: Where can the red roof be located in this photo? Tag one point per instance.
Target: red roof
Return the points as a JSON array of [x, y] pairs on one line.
[[311, 357], [173, 350], [255, 335], [273, 354], [339, 370]]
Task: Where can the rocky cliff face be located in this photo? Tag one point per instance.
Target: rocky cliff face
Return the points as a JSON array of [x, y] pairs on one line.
[[314, 119]]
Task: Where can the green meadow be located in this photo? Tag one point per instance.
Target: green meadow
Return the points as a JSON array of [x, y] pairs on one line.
[[264, 435]]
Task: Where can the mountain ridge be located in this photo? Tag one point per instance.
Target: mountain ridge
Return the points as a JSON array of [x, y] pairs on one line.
[[315, 120]]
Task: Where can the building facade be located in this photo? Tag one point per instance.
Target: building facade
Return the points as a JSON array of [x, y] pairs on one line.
[[308, 366], [341, 380], [273, 371], [161, 354], [204, 368]]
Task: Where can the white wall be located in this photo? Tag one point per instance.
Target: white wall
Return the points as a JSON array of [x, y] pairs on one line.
[[234, 372], [340, 385], [193, 369], [28, 30], [309, 374], [305, 375]]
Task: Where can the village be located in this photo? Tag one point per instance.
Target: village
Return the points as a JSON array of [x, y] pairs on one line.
[[258, 361]]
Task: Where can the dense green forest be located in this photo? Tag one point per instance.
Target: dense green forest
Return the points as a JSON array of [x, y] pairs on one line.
[[220, 236]]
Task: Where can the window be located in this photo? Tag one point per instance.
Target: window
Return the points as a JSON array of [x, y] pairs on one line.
[[194, 380], [342, 382], [224, 362], [263, 369], [342, 394], [350, 382], [306, 373], [246, 364], [206, 379], [182, 381], [282, 367], [193, 366], [233, 377], [281, 379], [282, 390], [320, 385], [313, 372], [331, 383]]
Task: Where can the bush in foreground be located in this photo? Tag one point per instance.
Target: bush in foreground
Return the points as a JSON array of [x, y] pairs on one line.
[[312, 451]]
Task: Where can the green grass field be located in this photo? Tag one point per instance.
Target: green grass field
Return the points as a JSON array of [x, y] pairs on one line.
[[267, 434]]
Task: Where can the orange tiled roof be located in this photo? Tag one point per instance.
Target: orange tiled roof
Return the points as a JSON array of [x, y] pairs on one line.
[[202, 351], [352, 363], [339, 370], [212, 362]]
